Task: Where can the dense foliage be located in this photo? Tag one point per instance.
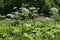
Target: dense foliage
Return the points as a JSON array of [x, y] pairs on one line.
[[6, 6], [29, 30], [29, 20]]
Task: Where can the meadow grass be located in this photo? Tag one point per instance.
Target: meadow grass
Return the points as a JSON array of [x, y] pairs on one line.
[[29, 30]]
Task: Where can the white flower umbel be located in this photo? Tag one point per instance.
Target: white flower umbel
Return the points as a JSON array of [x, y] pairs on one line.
[[54, 10], [7, 19], [32, 8], [10, 15], [25, 10], [15, 8]]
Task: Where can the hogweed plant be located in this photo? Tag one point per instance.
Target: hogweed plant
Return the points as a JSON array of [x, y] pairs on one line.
[[55, 13]]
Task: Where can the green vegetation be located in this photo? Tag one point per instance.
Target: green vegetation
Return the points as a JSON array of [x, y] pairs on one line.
[[29, 30], [29, 19]]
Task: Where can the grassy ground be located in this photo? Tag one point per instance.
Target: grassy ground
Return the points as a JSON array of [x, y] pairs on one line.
[[29, 30]]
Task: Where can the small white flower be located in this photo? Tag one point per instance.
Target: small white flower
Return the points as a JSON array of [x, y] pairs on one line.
[[38, 8], [11, 15], [35, 11], [17, 13], [25, 10], [32, 8], [54, 9], [7, 19], [47, 18], [14, 7]]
